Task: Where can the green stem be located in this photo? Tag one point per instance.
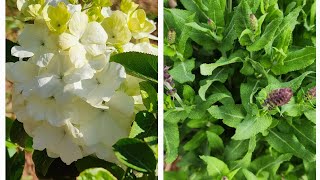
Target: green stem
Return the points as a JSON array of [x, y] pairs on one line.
[[230, 6], [176, 95]]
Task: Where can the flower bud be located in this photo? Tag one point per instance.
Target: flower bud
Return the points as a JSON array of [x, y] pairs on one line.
[[311, 93], [173, 3], [171, 36], [253, 22], [212, 24], [278, 97], [171, 92]]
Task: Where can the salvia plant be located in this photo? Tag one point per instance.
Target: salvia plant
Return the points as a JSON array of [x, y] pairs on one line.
[[244, 104], [84, 90]]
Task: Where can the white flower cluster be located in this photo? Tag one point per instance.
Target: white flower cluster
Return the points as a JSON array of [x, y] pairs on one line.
[[69, 97]]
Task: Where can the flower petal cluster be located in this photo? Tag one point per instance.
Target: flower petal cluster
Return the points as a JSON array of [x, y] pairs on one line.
[[70, 98]]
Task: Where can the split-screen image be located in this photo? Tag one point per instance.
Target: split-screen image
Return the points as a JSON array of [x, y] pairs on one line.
[[151, 89]]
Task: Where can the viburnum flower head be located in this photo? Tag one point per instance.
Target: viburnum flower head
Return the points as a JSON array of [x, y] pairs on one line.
[[71, 100]]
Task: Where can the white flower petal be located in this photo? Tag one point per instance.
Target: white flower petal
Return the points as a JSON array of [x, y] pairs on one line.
[[95, 49], [21, 52], [94, 34], [69, 151], [47, 136], [67, 40], [78, 24], [78, 56]]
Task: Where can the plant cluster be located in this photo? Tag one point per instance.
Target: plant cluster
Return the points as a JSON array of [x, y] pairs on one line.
[[78, 84], [244, 104]]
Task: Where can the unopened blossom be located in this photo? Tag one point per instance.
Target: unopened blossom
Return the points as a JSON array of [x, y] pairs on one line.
[[279, 97]]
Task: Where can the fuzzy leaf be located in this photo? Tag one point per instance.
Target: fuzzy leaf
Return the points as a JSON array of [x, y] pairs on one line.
[[171, 141], [181, 71], [296, 60]]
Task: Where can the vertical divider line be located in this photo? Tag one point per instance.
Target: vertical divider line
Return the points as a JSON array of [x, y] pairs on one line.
[[160, 91], [317, 90], [2, 92]]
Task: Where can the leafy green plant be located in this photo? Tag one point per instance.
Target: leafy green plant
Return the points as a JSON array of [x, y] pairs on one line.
[[240, 100]]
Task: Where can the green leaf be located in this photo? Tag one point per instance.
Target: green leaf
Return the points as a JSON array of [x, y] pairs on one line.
[[216, 11], [269, 163], [247, 91], [266, 37], [248, 174], [296, 60], [219, 74], [207, 69], [175, 175], [93, 162], [19, 136], [195, 142], [171, 140], [145, 125], [15, 165], [149, 96], [288, 143], [236, 149], [202, 106], [251, 126], [41, 161], [311, 115], [231, 114], [215, 167], [175, 115], [242, 17], [188, 94], [135, 154], [181, 71], [137, 64], [96, 174], [215, 142]]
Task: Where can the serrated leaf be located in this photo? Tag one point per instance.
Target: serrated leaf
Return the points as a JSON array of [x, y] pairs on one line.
[[201, 108], [236, 149], [181, 71], [296, 60], [175, 115], [231, 114], [216, 11], [149, 96], [171, 141], [266, 37], [311, 115], [137, 64], [251, 126], [19, 136], [207, 69], [215, 142], [135, 154], [94, 162], [144, 125], [96, 174], [195, 142], [247, 91], [215, 167], [41, 161], [219, 74], [288, 143], [269, 163]]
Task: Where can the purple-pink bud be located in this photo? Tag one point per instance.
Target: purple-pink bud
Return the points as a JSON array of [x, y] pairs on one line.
[[278, 97]]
